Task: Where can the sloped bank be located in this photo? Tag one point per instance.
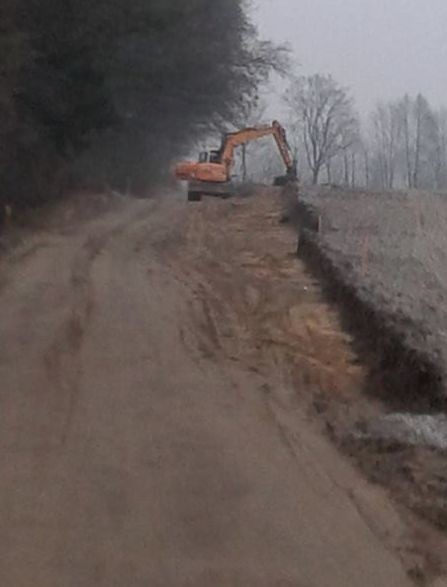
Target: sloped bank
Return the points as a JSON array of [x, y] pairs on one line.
[[379, 258]]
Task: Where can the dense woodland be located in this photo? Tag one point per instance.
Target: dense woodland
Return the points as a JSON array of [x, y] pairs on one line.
[[108, 92]]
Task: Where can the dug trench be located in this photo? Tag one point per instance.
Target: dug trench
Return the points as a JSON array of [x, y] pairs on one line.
[[399, 378], [407, 377]]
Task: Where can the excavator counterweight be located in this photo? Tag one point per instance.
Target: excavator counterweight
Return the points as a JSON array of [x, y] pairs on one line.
[[211, 175]]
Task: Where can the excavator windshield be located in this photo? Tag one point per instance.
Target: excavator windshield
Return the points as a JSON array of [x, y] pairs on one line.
[[215, 156]]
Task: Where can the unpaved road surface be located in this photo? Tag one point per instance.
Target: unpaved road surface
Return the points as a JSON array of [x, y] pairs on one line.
[[152, 429]]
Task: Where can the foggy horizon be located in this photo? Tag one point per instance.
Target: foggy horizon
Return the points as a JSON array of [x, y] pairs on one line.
[[379, 50]]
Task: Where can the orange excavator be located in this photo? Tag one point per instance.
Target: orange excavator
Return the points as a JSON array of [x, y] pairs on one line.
[[211, 175]]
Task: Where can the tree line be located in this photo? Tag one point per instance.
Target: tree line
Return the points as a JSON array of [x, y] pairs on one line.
[[108, 92], [401, 144]]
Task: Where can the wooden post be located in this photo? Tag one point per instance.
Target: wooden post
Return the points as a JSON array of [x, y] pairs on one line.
[[244, 162]]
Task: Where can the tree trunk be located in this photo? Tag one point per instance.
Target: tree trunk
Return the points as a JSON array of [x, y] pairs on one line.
[[346, 167], [417, 154], [353, 170], [329, 171], [407, 146], [367, 171]]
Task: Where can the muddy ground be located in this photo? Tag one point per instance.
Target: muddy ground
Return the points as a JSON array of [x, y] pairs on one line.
[[169, 376], [172, 382], [382, 258]]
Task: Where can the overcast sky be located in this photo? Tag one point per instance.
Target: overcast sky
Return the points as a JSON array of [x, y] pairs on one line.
[[379, 48]]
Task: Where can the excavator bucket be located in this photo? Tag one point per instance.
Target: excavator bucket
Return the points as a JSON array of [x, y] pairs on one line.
[[281, 180], [290, 177]]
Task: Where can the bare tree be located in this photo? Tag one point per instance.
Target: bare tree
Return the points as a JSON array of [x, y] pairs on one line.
[[364, 154], [353, 169], [416, 121], [437, 159], [405, 144], [385, 139], [342, 168], [327, 121]]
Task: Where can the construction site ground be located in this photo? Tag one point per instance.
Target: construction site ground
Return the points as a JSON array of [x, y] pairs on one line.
[[173, 390]]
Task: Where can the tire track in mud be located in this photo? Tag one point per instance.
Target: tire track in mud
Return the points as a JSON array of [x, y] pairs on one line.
[[62, 358], [172, 451]]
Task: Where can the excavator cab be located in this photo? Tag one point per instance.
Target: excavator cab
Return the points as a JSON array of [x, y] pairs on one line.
[[209, 156]]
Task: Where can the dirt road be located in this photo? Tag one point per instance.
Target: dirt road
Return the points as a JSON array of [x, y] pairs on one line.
[[152, 430]]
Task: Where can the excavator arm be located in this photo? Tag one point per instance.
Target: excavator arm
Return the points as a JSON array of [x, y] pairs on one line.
[[234, 140]]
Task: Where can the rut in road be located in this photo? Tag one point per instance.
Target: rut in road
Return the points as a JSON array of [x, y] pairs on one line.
[[153, 428]]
